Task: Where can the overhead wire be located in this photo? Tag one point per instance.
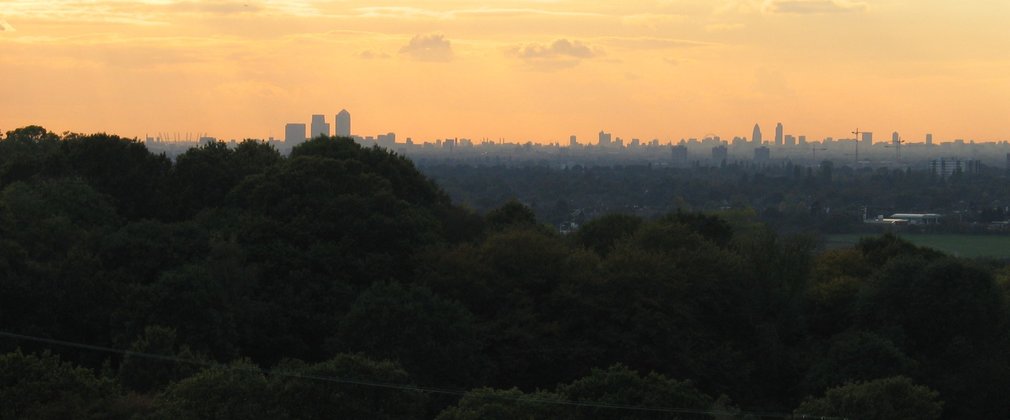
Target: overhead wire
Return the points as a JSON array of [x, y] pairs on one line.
[[407, 387]]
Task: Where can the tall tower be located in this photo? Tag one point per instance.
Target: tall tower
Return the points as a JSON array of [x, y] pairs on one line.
[[778, 134], [605, 139], [929, 139], [756, 135], [895, 138], [343, 124], [319, 126], [294, 133]]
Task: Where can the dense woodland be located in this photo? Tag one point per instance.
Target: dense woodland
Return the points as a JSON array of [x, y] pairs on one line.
[[825, 198], [338, 282]]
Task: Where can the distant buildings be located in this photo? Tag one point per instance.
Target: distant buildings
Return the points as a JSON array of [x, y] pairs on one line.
[[778, 134], [343, 122], [867, 139], [756, 135], [762, 154], [319, 126], [573, 141], [679, 153], [604, 140], [895, 138], [294, 134], [945, 167], [929, 139], [720, 153], [790, 140]]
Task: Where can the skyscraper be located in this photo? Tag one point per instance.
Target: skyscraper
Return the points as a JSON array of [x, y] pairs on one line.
[[867, 138], [343, 124], [778, 134], [294, 134], [573, 141], [319, 126], [929, 139], [756, 135], [604, 139], [895, 138]]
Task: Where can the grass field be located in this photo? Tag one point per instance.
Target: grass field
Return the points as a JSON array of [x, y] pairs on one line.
[[969, 246]]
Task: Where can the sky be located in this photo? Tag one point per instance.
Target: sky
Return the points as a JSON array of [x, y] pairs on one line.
[[537, 70]]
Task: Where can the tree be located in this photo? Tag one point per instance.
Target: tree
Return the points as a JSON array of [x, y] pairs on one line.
[[142, 373], [44, 387], [600, 235], [433, 338], [893, 398], [351, 385], [236, 391]]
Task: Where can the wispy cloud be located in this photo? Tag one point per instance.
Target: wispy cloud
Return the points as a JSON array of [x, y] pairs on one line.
[[653, 43], [812, 6], [432, 47], [5, 27], [558, 54]]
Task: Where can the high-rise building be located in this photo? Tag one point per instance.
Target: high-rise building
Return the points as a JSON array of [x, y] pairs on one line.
[[756, 135], [319, 126], [867, 138], [802, 140], [343, 122], [604, 138], [929, 139], [895, 138], [294, 133], [573, 141], [778, 134], [790, 140]]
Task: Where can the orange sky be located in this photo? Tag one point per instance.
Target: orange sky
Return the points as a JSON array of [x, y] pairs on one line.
[[519, 69]]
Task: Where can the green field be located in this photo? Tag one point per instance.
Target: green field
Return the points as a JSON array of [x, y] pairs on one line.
[[969, 246]]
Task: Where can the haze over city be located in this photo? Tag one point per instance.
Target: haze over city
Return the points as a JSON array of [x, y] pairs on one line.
[[522, 70]]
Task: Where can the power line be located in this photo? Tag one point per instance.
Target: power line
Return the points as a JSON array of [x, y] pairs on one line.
[[405, 387]]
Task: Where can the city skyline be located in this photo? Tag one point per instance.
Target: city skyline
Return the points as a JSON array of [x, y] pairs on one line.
[[521, 70]]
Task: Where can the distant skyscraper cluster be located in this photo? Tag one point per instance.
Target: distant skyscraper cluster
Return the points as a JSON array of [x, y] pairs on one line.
[[294, 133]]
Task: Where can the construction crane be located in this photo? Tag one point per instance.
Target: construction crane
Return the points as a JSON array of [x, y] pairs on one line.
[[857, 133]]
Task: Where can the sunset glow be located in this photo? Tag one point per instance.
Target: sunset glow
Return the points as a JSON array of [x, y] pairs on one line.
[[523, 70]]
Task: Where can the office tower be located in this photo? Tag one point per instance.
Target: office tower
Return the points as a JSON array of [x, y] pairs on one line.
[[802, 140], [604, 139], [790, 140], [756, 135], [929, 139], [319, 126], [294, 133], [867, 138], [778, 134], [895, 138], [573, 141], [343, 123]]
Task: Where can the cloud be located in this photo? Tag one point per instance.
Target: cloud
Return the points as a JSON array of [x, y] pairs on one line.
[[372, 55], [651, 43], [812, 6], [723, 27], [559, 54], [433, 47], [5, 27]]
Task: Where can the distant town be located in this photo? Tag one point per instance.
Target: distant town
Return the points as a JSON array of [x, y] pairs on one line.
[[858, 148]]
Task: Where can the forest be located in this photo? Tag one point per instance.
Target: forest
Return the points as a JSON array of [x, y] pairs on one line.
[[826, 198], [340, 282]]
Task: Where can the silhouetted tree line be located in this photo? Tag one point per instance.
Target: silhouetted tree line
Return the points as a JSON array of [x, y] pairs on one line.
[[824, 198], [340, 282]]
